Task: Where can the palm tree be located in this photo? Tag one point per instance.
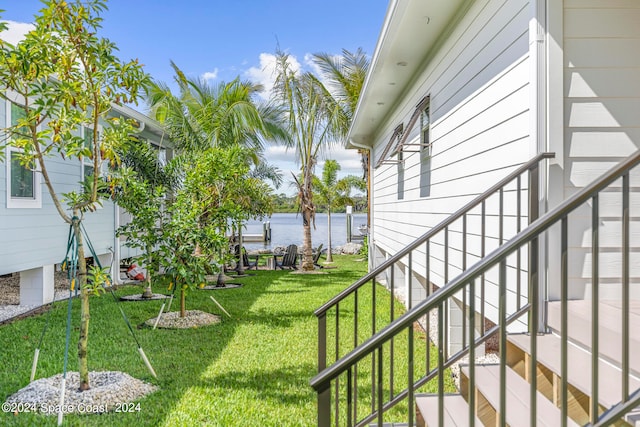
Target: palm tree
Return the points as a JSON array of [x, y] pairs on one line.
[[224, 115], [312, 117], [345, 76], [332, 193]]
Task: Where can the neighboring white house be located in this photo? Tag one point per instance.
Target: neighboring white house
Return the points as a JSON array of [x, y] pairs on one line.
[[461, 92], [33, 237]]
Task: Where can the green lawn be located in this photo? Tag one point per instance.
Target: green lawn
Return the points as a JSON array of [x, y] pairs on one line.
[[251, 369]]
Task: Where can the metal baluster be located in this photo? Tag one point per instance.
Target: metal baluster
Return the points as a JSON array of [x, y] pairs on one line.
[[518, 252], [564, 333], [349, 394], [502, 319], [428, 316], [471, 398], [483, 231], [464, 267], [337, 357], [534, 301], [393, 267], [625, 287], [501, 216], [373, 354], [410, 273], [441, 344], [595, 299], [410, 377], [380, 386], [355, 367], [446, 303], [324, 397]]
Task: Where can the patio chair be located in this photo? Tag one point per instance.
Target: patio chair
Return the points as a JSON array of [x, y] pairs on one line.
[[316, 256], [247, 263], [289, 258]]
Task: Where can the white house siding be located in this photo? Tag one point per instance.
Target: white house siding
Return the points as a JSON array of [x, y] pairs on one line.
[[602, 126], [478, 82], [31, 238]]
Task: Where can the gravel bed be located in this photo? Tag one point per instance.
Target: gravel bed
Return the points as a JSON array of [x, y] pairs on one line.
[[193, 319], [110, 391]]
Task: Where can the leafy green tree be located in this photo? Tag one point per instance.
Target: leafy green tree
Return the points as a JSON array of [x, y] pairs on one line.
[[313, 118], [331, 193], [202, 117], [62, 77], [217, 190]]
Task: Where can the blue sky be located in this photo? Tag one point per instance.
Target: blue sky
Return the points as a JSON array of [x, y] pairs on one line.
[[222, 39]]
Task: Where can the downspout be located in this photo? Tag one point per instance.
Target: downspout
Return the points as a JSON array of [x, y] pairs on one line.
[[369, 205], [538, 112]]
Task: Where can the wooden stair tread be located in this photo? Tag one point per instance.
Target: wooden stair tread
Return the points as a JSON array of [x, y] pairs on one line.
[[456, 410], [579, 367], [609, 330], [488, 383]]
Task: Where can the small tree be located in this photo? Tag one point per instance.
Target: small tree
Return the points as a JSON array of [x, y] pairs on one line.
[[333, 193], [217, 191], [141, 186], [60, 78], [145, 203]]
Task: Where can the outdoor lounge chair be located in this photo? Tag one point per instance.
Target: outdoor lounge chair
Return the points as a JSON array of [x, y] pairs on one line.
[[289, 258], [247, 263], [316, 256]]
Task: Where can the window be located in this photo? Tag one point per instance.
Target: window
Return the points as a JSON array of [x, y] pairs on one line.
[[23, 181], [400, 175], [87, 162], [426, 147], [425, 122]]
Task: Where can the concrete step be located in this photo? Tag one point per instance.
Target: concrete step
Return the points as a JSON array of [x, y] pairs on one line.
[[456, 411], [609, 330], [518, 398]]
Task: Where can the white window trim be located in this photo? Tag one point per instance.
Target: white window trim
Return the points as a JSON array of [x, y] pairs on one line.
[[20, 202]]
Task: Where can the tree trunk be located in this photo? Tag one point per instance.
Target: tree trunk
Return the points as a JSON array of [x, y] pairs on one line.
[[83, 365], [183, 302], [329, 255], [148, 292], [307, 250]]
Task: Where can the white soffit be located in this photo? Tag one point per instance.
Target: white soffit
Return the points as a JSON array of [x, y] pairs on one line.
[[410, 30]]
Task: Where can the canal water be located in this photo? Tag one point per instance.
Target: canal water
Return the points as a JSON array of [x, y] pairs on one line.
[[286, 229]]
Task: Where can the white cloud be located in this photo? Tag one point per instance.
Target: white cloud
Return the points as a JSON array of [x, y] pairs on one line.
[[16, 31], [265, 74], [287, 160], [210, 75]]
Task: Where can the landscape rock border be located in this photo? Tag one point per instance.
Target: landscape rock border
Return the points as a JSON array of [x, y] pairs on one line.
[[110, 391], [193, 319]]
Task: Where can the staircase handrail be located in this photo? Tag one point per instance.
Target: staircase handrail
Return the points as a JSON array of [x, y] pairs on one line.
[[323, 379], [531, 164]]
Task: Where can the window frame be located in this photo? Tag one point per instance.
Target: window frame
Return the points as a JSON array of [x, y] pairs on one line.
[[34, 202], [425, 130]]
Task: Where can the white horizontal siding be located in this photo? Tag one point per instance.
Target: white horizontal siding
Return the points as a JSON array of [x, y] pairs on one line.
[[478, 82], [601, 101], [30, 238]]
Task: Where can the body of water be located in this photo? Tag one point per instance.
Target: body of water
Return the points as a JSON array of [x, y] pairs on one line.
[[286, 228]]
